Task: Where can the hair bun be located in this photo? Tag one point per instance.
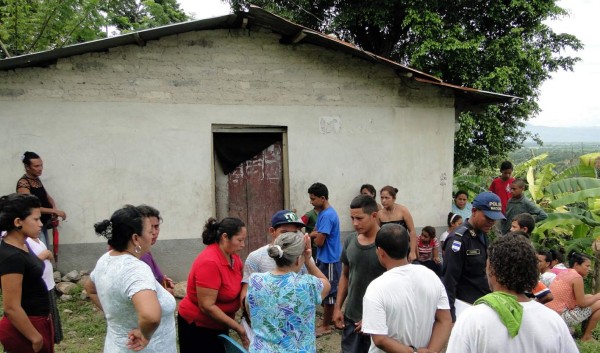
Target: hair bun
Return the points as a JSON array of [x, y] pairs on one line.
[[104, 228], [396, 190], [275, 251]]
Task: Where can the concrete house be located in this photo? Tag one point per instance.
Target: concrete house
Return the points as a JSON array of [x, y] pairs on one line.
[[235, 115]]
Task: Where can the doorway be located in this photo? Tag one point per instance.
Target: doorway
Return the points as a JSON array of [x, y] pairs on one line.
[[250, 169]]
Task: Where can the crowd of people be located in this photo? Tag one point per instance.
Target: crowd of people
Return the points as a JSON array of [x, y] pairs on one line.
[[384, 287]]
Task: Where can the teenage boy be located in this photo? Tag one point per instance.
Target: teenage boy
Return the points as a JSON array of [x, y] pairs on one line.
[[518, 204], [360, 266], [501, 185], [329, 248]]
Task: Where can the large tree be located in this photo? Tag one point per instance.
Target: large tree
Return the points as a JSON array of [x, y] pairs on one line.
[[28, 26], [494, 45]]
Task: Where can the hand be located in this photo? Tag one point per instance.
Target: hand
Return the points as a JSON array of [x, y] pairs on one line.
[[169, 283], [307, 248], [242, 333], [338, 318], [412, 256], [437, 260], [358, 327], [37, 343], [136, 341], [60, 214], [46, 255]]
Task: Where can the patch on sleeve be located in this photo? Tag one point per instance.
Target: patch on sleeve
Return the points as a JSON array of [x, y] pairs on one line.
[[456, 245]]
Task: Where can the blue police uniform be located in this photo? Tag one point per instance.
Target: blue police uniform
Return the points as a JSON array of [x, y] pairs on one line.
[[464, 265]]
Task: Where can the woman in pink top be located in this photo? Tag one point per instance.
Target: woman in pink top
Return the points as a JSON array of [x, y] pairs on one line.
[[570, 300]]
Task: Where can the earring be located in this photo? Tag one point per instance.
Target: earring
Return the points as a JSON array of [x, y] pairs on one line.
[[137, 249]]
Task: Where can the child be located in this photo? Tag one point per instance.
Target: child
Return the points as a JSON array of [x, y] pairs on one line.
[[501, 185], [557, 265], [544, 260], [428, 249], [454, 221], [37, 247], [524, 224], [520, 204]]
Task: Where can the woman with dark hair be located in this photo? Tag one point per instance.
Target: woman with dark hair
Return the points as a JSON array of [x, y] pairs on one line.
[[506, 320], [30, 183], [139, 311], [282, 303], [369, 190], [454, 221], [213, 289], [570, 300], [461, 205], [393, 212], [26, 325]]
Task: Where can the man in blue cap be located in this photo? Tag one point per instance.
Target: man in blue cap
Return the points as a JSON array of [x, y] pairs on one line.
[[259, 261], [466, 254]]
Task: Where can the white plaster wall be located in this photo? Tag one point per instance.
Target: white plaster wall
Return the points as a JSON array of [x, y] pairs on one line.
[[133, 125]]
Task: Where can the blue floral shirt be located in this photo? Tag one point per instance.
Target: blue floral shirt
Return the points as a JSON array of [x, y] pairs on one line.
[[282, 310]]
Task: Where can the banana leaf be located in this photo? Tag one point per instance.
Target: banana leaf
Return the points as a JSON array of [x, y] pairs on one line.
[[564, 219], [577, 197], [522, 168], [581, 170], [589, 159], [473, 184], [557, 188]]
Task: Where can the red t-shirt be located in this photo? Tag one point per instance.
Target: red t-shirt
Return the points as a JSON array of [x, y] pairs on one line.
[[502, 189], [212, 270]]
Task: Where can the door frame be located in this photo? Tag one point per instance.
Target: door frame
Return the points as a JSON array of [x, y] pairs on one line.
[[241, 129]]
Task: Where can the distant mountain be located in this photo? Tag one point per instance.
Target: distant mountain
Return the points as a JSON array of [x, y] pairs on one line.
[[566, 134]]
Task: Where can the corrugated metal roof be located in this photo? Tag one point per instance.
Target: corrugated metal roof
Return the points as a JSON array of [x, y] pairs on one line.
[[291, 33]]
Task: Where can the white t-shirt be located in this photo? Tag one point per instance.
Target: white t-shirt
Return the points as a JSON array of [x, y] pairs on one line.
[[479, 330], [444, 236], [401, 303], [117, 279], [259, 261], [48, 275]]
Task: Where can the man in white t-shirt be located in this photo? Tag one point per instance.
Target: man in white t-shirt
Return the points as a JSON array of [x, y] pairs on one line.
[[506, 320], [406, 308]]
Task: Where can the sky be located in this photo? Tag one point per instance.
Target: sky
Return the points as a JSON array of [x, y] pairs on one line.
[[567, 99]]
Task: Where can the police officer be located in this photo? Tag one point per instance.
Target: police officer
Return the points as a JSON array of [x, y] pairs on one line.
[[466, 253]]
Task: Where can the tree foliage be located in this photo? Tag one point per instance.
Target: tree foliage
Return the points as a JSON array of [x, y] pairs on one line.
[[28, 26], [499, 46]]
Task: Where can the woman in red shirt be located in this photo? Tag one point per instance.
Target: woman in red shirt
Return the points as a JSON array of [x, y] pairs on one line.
[[213, 289]]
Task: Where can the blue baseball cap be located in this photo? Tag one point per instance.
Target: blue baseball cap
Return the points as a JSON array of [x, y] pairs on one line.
[[286, 217], [490, 204]]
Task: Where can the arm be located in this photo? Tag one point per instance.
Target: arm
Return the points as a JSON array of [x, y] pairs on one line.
[[583, 301], [45, 210], [90, 288], [46, 255], [537, 213], [454, 264], [207, 301], [413, 234], [342, 293], [440, 331], [148, 310], [11, 300], [436, 253], [56, 211], [318, 237], [312, 269]]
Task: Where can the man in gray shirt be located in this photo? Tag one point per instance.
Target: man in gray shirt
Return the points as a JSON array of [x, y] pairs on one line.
[[359, 267]]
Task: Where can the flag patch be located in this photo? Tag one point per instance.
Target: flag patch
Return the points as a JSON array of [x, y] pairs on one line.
[[456, 245]]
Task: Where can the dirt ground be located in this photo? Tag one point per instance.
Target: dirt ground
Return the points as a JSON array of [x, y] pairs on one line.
[[329, 343]]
